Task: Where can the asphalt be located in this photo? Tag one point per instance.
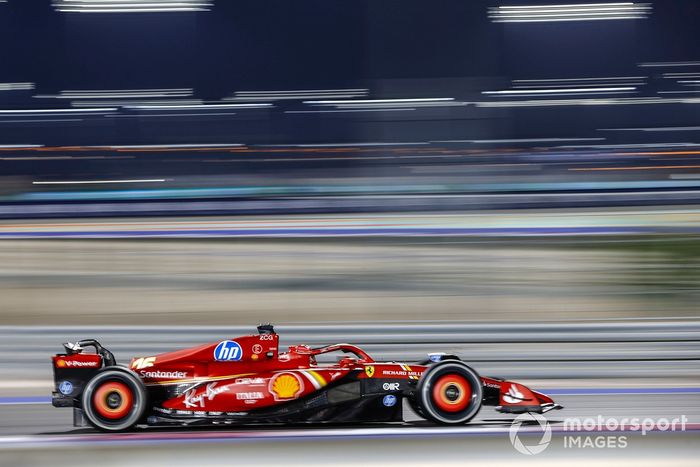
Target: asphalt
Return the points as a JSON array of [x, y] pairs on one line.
[[436, 450], [582, 221], [40, 435], [657, 379], [37, 417], [644, 368]]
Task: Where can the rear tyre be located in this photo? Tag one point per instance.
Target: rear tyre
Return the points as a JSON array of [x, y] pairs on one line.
[[450, 393], [114, 400]]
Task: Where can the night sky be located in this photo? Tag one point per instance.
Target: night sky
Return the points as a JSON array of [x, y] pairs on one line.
[[282, 44]]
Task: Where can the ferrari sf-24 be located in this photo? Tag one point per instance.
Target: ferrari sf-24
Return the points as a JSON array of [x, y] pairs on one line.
[[247, 380]]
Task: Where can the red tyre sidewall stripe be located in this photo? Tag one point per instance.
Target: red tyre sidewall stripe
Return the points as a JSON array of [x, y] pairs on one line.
[[99, 400]]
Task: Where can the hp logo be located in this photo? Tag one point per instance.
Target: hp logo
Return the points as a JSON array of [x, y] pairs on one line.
[[389, 400], [228, 351], [65, 387]]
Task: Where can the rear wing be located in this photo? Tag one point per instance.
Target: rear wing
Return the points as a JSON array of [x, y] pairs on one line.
[[73, 368]]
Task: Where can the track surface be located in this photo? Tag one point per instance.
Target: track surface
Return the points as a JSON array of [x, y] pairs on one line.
[[627, 368], [628, 221], [35, 416], [436, 449], [32, 432], [486, 440]]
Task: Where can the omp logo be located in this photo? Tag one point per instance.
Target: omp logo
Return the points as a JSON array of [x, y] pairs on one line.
[[531, 419], [369, 371], [228, 351]]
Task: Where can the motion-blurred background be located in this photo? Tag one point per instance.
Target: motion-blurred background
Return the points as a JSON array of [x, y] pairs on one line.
[[515, 181], [450, 124], [203, 107]]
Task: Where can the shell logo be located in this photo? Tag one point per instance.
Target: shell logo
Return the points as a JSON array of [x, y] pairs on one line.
[[286, 386], [60, 363]]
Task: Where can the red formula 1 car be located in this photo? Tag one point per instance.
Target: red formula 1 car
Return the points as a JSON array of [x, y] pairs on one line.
[[246, 380]]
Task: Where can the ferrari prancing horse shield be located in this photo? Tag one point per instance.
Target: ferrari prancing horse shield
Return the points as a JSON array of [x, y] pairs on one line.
[[369, 371]]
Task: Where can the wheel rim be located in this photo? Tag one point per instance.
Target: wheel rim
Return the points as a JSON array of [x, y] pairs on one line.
[[451, 393], [113, 400]]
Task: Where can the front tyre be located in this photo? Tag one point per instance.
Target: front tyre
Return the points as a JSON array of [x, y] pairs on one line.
[[449, 392], [114, 400]]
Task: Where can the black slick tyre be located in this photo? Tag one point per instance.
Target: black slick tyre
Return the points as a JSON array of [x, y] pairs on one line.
[[114, 400], [450, 393]]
